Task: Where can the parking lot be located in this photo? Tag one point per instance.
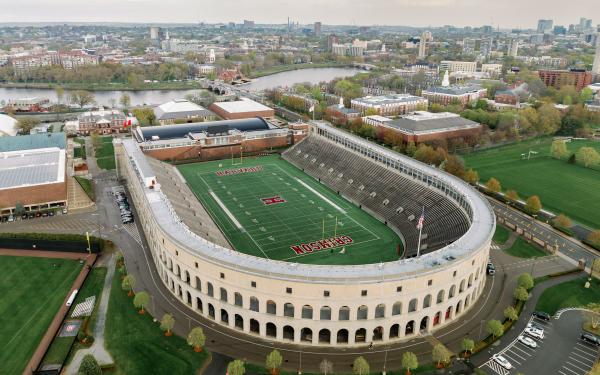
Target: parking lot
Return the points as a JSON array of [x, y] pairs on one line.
[[561, 351]]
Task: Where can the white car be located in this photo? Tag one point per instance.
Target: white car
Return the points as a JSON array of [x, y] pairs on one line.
[[502, 361], [527, 341], [535, 333]]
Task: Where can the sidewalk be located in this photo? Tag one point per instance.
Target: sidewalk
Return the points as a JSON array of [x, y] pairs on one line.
[[97, 349]]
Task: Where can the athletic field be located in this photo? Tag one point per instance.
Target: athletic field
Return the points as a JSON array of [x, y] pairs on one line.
[[268, 208], [32, 291], [562, 187]]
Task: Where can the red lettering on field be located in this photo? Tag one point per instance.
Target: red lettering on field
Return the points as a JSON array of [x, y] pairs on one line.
[[272, 200], [325, 244], [347, 239], [306, 248], [320, 245], [315, 246], [297, 249]]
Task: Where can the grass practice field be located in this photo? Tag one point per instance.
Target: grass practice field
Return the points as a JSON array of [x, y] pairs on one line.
[[562, 187], [268, 208], [32, 291]]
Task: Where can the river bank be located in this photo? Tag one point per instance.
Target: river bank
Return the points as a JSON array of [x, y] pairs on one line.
[[186, 85], [287, 68]]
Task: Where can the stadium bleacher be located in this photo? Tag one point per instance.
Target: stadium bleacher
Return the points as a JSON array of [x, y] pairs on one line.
[[393, 197]]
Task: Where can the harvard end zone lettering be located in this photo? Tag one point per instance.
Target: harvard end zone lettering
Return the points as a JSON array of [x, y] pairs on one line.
[[328, 243], [272, 200], [229, 172]]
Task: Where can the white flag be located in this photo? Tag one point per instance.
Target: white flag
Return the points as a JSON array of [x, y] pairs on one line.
[[311, 109]]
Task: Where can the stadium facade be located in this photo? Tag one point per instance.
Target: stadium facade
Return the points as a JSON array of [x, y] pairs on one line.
[[323, 304]]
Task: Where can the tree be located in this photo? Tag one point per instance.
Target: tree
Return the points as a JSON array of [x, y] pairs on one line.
[[409, 361], [586, 95], [511, 314], [550, 119], [440, 354], [196, 339], [594, 237], [511, 195], [125, 100], [562, 221], [588, 156], [521, 294], [145, 116], [326, 367], [411, 148], [471, 176], [533, 204], [493, 185], [140, 301], [128, 284], [525, 280], [25, 124], [273, 361], [558, 150], [89, 366], [19, 209], [494, 328], [167, 323], [468, 345], [236, 367], [361, 366], [82, 98], [454, 165]]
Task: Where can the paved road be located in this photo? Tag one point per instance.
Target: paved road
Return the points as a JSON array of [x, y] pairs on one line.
[[567, 246]]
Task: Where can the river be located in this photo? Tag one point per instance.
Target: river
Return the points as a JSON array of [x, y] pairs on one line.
[[153, 97]]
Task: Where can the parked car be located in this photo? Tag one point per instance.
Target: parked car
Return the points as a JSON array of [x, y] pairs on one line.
[[535, 333], [527, 341], [51, 213], [11, 218], [45, 214], [31, 216], [541, 315], [502, 361], [24, 217], [491, 269], [590, 339], [64, 211], [534, 325]]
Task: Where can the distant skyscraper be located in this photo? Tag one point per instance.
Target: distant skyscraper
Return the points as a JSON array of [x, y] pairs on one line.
[[331, 40], [596, 66], [155, 32], [544, 26], [425, 37], [513, 48], [317, 28]]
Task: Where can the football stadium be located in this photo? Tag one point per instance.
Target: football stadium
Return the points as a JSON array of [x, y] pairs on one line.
[[331, 241]]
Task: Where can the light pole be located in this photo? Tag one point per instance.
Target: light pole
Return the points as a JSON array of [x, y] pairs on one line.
[[480, 328]]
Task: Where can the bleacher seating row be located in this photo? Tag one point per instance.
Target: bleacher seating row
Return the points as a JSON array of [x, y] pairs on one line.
[[395, 197]]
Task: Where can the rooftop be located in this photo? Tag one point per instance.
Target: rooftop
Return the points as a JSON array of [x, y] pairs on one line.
[[387, 99], [456, 89], [34, 141], [8, 125], [31, 167], [179, 108], [241, 106], [423, 121]]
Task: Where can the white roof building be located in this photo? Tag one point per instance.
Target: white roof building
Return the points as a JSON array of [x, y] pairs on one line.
[[8, 126]]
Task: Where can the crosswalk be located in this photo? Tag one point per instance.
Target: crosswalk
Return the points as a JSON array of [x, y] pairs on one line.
[[133, 231], [84, 308], [496, 367]]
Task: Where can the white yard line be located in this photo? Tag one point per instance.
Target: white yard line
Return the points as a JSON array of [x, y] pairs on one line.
[[226, 210], [320, 195]]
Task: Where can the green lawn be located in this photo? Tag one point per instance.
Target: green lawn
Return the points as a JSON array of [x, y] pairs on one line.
[[309, 212], [501, 235], [562, 187], [79, 152], [137, 344], [524, 249], [569, 294], [31, 290], [87, 186], [105, 154]]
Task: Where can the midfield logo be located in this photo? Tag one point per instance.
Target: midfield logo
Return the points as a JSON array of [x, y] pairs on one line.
[[272, 200]]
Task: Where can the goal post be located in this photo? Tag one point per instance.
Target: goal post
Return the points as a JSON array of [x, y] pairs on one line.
[[235, 160]]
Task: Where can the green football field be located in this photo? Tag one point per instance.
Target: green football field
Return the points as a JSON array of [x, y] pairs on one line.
[[32, 291], [562, 187], [274, 210]]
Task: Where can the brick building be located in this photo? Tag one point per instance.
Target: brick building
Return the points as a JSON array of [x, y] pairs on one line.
[[240, 109], [389, 105], [341, 115], [103, 122], [455, 94], [579, 78]]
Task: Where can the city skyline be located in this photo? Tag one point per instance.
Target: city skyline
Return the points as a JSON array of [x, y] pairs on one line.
[[508, 14]]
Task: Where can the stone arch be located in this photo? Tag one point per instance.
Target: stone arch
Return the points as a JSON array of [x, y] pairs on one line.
[[344, 313], [239, 321], [362, 312], [271, 330], [199, 306], [395, 331], [237, 299], [413, 305], [307, 312], [427, 301], [448, 314], [211, 311], [254, 326], [187, 277], [188, 297], [254, 304], [424, 326], [325, 313], [198, 283], [380, 311], [459, 307], [209, 289], [452, 291], [378, 334], [342, 336], [470, 282], [324, 336], [223, 295], [224, 316], [410, 328], [360, 335], [306, 334], [462, 286], [440, 296], [288, 333], [397, 308], [288, 310], [437, 318], [271, 307]]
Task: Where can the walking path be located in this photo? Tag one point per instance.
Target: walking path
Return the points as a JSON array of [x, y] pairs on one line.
[[97, 349]]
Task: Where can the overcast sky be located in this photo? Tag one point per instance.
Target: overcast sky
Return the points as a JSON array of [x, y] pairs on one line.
[[505, 13]]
